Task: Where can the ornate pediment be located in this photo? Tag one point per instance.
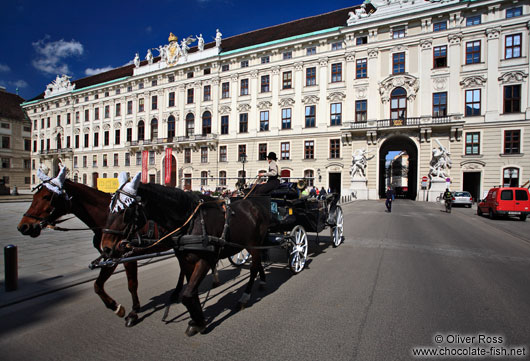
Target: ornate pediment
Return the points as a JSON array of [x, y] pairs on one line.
[[106, 126], [408, 82], [129, 123], [310, 99], [58, 130], [264, 105], [359, 13], [285, 102], [60, 85], [472, 164], [86, 130], [513, 77], [336, 96], [473, 81], [117, 125], [243, 107], [96, 128], [224, 109]]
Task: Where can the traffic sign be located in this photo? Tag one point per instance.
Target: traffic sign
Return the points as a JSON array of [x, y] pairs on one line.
[[424, 179]]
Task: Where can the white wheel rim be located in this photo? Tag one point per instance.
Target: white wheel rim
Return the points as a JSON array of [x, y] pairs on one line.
[[240, 258], [338, 229], [299, 252]]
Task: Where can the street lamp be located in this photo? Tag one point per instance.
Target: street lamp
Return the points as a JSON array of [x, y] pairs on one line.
[[243, 159]]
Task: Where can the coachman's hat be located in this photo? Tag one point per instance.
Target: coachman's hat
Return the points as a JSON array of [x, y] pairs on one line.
[[272, 156]]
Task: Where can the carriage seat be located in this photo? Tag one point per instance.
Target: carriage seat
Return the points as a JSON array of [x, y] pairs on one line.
[[286, 190]]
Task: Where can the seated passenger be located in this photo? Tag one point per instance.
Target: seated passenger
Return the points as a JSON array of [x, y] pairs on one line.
[[273, 182]]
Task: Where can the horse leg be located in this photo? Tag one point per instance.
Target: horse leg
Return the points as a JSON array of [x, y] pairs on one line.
[[215, 275], [174, 296], [190, 298], [262, 278], [254, 269], [104, 275], [131, 269]]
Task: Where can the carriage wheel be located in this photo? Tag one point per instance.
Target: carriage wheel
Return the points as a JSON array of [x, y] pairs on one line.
[[337, 231], [240, 258], [298, 254]]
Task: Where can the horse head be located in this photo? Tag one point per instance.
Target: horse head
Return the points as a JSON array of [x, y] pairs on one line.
[[125, 218], [49, 203]]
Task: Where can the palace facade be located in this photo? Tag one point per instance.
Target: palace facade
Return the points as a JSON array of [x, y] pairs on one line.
[[386, 76]]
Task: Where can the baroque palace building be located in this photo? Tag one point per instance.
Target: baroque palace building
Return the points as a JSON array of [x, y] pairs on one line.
[[386, 76]]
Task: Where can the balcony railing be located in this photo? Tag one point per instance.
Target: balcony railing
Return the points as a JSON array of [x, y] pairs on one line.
[[403, 122]]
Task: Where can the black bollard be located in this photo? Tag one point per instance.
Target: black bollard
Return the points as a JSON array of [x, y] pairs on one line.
[[11, 267]]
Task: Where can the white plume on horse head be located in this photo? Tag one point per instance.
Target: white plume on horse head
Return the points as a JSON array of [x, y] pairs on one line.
[[42, 176], [127, 197], [123, 178], [61, 176]]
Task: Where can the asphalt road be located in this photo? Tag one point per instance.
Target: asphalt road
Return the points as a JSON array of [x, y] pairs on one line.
[[398, 281]]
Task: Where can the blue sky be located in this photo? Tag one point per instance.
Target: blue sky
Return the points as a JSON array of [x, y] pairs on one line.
[[42, 39]]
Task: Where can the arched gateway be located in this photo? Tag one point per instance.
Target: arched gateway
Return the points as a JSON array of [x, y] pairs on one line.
[[398, 161]]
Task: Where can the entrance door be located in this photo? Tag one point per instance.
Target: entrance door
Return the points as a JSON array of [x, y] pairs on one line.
[[187, 182], [472, 184], [335, 182], [285, 174], [95, 176], [152, 178]]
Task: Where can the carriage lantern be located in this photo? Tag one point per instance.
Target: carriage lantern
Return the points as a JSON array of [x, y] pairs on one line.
[[243, 160]]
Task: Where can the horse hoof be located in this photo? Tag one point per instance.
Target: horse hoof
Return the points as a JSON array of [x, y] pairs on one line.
[[120, 311], [130, 320], [241, 306]]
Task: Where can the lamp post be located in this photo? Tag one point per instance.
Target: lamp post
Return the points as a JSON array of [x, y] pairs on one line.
[[243, 160]]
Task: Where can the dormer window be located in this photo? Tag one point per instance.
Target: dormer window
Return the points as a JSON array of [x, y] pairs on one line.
[[473, 20], [398, 32], [336, 46]]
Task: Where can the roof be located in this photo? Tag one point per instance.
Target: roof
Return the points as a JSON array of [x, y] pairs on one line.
[[10, 106], [276, 32]]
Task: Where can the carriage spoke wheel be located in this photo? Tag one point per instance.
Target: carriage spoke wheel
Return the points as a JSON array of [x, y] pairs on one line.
[[337, 231], [239, 259], [298, 254]]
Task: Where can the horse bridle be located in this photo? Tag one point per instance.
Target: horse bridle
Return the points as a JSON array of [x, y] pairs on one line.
[[45, 221], [132, 227]]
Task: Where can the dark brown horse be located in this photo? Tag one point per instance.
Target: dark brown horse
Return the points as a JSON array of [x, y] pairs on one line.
[[59, 196], [171, 208]]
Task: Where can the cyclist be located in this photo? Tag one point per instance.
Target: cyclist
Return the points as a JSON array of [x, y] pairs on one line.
[[448, 196]]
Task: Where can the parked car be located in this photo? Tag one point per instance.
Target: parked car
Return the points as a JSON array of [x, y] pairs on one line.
[[462, 199], [506, 201]]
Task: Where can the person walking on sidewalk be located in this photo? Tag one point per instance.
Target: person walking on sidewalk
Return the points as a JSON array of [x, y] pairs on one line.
[[389, 199]]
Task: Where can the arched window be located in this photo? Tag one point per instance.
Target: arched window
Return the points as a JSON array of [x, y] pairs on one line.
[[204, 178], [222, 178], [170, 127], [141, 130], [154, 129], [190, 125], [115, 175], [398, 104], [510, 177], [309, 176], [206, 123]]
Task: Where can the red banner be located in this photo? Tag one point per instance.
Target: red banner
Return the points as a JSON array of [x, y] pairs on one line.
[[167, 165], [145, 160]]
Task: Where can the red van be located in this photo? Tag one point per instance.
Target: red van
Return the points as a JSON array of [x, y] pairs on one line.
[[506, 201]]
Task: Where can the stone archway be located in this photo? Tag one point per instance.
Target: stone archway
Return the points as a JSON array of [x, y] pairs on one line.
[[399, 143]]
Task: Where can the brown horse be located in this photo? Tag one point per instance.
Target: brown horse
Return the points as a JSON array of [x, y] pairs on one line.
[[196, 215], [59, 196]]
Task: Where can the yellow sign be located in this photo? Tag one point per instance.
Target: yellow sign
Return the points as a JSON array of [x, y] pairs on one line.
[[108, 185]]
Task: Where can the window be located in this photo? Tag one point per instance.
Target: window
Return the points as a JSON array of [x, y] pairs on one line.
[[440, 56], [222, 153], [141, 130], [27, 164], [118, 91], [187, 155], [207, 93], [287, 80], [58, 120], [94, 160], [190, 125], [243, 123], [116, 159], [287, 55], [225, 67], [204, 178], [85, 161], [6, 162], [265, 83], [154, 102], [309, 176], [398, 63], [285, 150], [336, 72], [171, 99], [68, 119], [241, 149], [171, 127], [154, 129], [264, 121], [286, 118], [225, 90], [336, 46], [512, 98], [141, 104], [117, 136], [76, 141], [106, 112], [75, 163], [512, 139], [311, 51], [129, 134], [35, 145], [224, 124], [513, 12], [96, 113], [265, 59], [472, 102], [129, 107], [189, 75], [244, 87], [222, 178], [513, 46], [439, 104], [141, 86], [472, 143], [310, 112], [86, 141], [334, 148], [96, 139], [360, 40], [310, 76], [398, 33], [439, 26], [27, 144], [262, 151], [473, 52], [244, 64], [473, 20], [206, 123], [309, 149], [361, 68], [105, 161], [511, 179], [204, 154], [87, 117], [207, 71], [127, 159], [118, 109], [48, 119], [360, 111], [106, 138], [398, 104], [336, 114], [138, 158], [190, 96]]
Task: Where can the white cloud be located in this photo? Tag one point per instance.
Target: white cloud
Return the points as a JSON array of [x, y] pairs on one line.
[[4, 68], [51, 54], [149, 29], [19, 83], [91, 71]]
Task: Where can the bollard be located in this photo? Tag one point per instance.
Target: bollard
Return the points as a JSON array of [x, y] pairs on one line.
[[11, 267]]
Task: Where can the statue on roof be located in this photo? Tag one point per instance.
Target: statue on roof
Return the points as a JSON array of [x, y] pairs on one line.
[[162, 52], [60, 85], [184, 46], [137, 60], [218, 37], [358, 14], [200, 42], [173, 51], [149, 57]]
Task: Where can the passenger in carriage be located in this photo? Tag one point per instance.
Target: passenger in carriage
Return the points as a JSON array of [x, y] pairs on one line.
[[273, 182]]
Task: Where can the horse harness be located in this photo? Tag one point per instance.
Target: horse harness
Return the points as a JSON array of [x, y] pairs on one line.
[[48, 221]]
